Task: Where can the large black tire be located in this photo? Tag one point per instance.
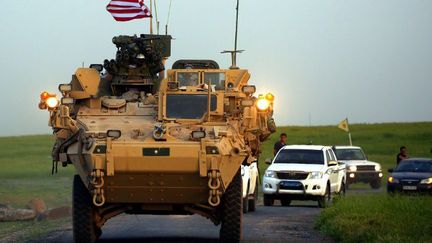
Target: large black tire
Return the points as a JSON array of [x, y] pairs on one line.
[[268, 201], [83, 220], [375, 184], [325, 200], [253, 201], [232, 211], [285, 202]]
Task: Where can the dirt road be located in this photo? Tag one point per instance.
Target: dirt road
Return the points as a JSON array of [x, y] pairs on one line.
[[267, 224]]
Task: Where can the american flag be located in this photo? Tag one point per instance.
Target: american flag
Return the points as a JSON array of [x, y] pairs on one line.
[[125, 10]]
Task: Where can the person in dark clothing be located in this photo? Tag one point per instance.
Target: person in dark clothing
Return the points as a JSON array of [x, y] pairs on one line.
[[403, 154], [279, 144]]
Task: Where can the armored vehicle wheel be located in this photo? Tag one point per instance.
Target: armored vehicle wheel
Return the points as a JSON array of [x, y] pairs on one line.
[[285, 202], [325, 200], [231, 228], [84, 225], [268, 201], [375, 184], [253, 201]]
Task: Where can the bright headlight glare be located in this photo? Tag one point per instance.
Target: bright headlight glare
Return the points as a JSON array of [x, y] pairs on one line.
[[52, 102], [377, 167], [352, 168], [426, 181], [270, 173], [391, 179], [262, 104], [316, 175]]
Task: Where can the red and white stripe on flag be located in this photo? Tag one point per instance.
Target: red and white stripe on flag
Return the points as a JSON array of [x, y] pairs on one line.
[[125, 10]]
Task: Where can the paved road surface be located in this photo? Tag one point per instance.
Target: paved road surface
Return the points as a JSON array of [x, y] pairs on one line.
[[267, 224]]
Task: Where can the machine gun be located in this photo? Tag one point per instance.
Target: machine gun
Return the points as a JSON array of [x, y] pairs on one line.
[[139, 61]]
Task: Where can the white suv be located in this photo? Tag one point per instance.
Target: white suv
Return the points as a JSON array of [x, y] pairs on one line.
[[303, 172], [250, 186]]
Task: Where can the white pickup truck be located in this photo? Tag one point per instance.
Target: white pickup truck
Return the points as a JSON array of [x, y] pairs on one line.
[[303, 172], [359, 168], [250, 186]]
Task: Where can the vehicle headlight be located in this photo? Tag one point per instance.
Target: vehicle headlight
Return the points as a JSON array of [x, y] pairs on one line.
[[426, 181], [262, 104], [316, 175], [391, 179], [270, 173], [352, 168], [52, 102], [377, 167]]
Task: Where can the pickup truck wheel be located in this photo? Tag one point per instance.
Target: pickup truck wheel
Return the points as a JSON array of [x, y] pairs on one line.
[[324, 201], [232, 213], [84, 224], [285, 202], [375, 184], [343, 189], [268, 201], [245, 204], [253, 201]]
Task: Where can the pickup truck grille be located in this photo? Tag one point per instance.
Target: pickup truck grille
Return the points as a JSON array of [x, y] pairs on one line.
[[365, 167], [292, 175]]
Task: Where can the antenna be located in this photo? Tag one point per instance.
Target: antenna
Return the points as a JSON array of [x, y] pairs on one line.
[[234, 53]]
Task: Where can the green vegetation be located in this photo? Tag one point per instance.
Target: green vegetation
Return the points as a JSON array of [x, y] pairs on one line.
[[25, 173], [378, 218]]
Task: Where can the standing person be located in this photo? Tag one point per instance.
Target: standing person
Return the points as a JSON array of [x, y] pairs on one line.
[[403, 154], [279, 144]]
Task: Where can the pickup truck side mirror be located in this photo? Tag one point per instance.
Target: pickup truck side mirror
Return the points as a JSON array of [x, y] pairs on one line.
[[390, 170], [268, 161], [332, 163]]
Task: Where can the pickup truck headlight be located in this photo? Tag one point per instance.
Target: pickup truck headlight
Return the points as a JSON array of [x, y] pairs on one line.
[[377, 167], [316, 175], [270, 173], [352, 168], [426, 181]]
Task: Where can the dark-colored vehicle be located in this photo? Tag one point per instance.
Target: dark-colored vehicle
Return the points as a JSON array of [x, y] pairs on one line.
[[411, 175]]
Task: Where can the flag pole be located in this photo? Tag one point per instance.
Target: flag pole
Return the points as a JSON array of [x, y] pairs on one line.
[[151, 16], [349, 133]]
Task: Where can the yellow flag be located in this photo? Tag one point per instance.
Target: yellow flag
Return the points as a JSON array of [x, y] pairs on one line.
[[344, 125]]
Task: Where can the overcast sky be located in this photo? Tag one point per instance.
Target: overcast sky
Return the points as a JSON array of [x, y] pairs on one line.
[[369, 60]]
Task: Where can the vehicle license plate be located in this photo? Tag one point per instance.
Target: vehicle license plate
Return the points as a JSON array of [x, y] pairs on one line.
[[410, 188], [290, 183]]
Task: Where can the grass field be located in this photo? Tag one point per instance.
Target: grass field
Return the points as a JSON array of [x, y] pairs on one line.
[[25, 162], [378, 218]]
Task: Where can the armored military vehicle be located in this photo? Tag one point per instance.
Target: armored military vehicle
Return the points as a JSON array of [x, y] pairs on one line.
[[148, 142]]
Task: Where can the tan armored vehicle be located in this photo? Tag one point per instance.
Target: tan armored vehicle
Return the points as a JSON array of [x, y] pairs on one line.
[[146, 142]]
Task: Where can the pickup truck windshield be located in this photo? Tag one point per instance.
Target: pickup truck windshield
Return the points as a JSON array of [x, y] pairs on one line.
[[186, 106], [300, 156], [350, 154]]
